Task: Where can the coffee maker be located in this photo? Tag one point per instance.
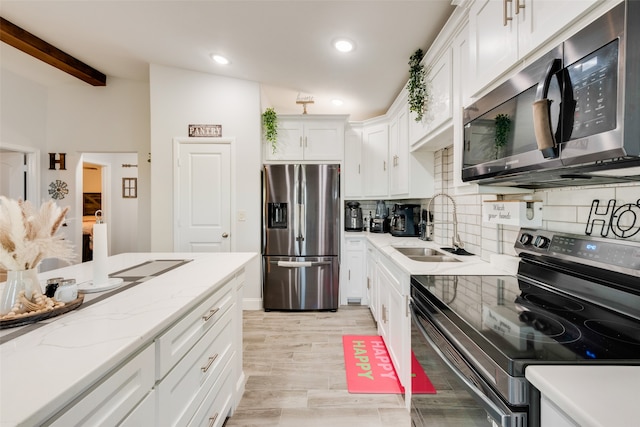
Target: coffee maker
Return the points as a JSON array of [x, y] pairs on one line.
[[405, 220], [353, 217], [380, 224]]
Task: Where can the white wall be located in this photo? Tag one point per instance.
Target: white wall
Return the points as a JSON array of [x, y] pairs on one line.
[[23, 111], [178, 98], [78, 118]]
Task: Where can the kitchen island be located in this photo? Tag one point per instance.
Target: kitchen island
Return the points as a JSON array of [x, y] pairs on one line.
[[122, 356], [587, 396]]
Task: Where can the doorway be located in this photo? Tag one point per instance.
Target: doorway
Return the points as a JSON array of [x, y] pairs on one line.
[[103, 178], [19, 174]]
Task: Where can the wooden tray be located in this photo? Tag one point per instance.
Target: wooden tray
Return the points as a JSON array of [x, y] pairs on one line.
[[36, 317]]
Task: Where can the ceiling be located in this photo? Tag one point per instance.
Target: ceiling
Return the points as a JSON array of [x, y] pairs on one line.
[[284, 45]]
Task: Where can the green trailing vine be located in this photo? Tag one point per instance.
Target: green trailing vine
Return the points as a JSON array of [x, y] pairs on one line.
[[416, 86], [503, 126], [270, 127]]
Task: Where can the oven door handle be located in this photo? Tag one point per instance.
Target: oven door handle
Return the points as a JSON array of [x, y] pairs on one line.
[[492, 409]]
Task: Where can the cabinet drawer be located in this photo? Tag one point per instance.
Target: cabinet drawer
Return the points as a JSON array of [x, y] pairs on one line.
[[115, 397], [143, 414], [177, 341], [216, 406], [354, 244], [182, 390]]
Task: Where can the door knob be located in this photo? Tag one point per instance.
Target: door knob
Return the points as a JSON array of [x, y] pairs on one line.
[[225, 235]]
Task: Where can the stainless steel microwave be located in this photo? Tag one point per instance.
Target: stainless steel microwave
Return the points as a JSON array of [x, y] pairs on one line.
[[570, 118]]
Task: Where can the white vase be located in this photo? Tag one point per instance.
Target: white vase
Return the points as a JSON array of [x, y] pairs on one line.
[[18, 280]]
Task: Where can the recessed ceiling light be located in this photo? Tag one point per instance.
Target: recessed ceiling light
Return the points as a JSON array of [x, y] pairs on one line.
[[343, 45], [220, 59], [337, 102]]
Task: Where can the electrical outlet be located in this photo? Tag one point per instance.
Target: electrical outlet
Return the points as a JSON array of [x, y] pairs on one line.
[[242, 215]]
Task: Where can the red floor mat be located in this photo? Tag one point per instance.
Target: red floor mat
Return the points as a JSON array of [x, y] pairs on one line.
[[369, 368]]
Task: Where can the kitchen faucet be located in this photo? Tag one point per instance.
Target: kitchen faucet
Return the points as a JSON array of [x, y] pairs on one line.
[[458, 246]]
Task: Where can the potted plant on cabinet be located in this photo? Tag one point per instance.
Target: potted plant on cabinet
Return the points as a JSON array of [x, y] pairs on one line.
[[416, 86], [270, 127]]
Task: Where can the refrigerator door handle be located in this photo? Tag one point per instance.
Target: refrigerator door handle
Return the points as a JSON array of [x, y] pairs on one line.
[[294, 264], [300, 264]]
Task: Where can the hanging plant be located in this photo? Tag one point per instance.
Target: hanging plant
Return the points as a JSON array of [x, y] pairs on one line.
[[270, 127], [416, 86]]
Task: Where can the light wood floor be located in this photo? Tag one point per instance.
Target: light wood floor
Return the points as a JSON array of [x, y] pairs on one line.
[[295, 375]]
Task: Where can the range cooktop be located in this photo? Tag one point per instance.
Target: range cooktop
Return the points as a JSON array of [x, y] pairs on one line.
[[518, 322]]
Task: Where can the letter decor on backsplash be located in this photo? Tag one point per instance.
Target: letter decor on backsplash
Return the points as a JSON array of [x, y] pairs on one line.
[[623, 221]]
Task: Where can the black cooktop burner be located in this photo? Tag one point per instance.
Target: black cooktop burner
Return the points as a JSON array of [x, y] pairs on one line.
[[553, 302], [629, 334]]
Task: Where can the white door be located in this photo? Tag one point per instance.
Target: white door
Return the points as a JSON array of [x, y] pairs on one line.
[[12, 175], [203, 198]]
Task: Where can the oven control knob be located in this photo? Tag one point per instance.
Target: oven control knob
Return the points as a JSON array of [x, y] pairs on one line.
[[541, 242], [526, 238]]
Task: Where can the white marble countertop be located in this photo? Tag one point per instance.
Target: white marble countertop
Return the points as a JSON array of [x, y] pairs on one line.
[[385, 242], [54, 363], [593, 396]]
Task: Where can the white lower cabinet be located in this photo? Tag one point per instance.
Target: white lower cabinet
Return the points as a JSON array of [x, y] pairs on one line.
[[144, 414], [181, 392], [353, 283], [217, 402], [112, 399], [394, 322], [371, 260], [552, 416], [187, 376]]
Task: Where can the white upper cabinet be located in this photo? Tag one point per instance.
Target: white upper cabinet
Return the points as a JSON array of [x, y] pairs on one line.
[[375, 151], [437, 116], [308, 138], [505, 31], [493, 40], [353, 167], [399, 152]]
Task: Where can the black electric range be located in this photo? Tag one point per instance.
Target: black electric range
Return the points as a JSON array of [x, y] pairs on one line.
[[575, 300]]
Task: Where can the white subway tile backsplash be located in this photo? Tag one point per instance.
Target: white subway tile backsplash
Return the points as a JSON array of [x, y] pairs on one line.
[[560, 213], [579, 196]]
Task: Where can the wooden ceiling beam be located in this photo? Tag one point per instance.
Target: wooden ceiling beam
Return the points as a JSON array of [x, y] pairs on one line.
[[40, 49]]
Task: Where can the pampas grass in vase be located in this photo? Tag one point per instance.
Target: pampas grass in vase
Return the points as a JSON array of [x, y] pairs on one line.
[[27, 236]]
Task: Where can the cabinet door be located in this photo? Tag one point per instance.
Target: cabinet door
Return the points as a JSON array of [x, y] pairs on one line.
[[397, 334], [323, 140], [439, 84], [290, 142], [539, 20], [355, 273], [353, 169], [493, 43], [375, 145], [384, 285], [372, 283]]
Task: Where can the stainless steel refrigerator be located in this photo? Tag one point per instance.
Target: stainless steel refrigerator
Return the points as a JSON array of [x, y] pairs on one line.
[[301, 236]]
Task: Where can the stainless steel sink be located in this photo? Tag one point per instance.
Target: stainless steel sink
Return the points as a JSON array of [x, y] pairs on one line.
[[424, 254]]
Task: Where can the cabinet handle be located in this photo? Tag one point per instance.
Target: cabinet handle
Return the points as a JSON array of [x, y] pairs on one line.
[[212, 420], [519, 6], [209, 363], [358, 169], [384, 165], [213, 311], [305, 142], [349, 274], [505, 18], [301, 137], [368, 283], [406, 306]]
